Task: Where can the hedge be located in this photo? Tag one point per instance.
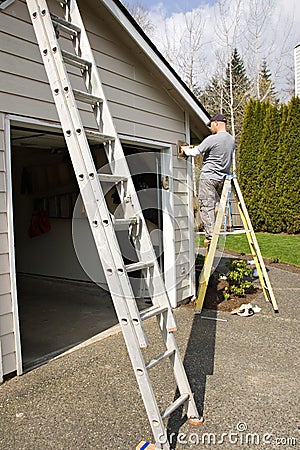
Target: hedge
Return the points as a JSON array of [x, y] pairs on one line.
[[269, 165]]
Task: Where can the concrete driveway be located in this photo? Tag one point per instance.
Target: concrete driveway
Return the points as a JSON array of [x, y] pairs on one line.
[[244, 372]]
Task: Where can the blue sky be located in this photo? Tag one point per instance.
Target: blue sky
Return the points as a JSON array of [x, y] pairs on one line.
[[277, 38], [172, 6]]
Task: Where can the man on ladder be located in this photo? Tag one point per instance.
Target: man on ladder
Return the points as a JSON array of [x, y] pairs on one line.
[[217, 151], [215, 181]]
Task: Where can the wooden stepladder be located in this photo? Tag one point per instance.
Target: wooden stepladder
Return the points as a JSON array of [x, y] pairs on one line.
[[104, 225], [230, 183]]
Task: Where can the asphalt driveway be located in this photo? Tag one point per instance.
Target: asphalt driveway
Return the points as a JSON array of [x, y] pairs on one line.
[[244, 372]]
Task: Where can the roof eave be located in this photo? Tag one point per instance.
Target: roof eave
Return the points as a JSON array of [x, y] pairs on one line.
[[125, 19]]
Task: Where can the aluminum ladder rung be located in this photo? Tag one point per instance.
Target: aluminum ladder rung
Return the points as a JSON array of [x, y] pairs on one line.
[[110, 178], [65, 25], [223, 233], [86, 97], [159, 358], [153, 311], [96, 136], [75, 60], [175, 405], [124, 223], [138, 266]]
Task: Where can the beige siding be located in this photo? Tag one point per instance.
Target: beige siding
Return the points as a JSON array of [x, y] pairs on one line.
[[140, 107], [182, 234]]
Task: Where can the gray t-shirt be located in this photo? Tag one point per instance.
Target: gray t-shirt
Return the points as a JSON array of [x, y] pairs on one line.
[[218, 151]]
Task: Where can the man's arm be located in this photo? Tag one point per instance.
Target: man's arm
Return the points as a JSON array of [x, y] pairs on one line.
[[195, 150]]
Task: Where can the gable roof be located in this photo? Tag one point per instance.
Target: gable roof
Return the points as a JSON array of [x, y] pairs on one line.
[[125, 19]]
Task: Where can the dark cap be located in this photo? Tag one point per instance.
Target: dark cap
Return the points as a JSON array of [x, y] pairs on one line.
[[218, 118]]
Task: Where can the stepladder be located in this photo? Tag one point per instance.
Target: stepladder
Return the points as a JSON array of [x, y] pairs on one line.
[[64, 45], [224, 226]]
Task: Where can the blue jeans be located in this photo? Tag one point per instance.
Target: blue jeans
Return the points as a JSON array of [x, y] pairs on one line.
[[209, 197]]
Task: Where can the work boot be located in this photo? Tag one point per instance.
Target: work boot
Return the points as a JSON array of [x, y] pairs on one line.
[[207, 242]]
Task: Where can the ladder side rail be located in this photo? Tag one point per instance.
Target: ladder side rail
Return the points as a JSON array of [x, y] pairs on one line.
[[209, 259], [84, 168], [258, 259], [179, 371], [118, 161]]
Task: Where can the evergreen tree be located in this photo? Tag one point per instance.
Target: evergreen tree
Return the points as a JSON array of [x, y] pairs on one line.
[[248, 155], [267, 160], [288, 180], [280, 223], [266, 88]]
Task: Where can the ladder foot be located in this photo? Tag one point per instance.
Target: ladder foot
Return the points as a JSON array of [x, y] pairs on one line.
[[195, 421]]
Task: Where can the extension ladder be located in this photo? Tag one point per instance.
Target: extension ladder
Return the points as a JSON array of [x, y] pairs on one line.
[[48, 29], [221, 219]]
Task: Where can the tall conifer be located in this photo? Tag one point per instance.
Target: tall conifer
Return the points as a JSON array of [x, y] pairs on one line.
[[267, 166], [288, 179], [249, 148]]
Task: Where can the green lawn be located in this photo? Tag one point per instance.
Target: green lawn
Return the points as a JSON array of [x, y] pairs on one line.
[[281, 247]]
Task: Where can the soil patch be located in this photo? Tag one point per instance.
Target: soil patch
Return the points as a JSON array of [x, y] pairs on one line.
[[214, 298]]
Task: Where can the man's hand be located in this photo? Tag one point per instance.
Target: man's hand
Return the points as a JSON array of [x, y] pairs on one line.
[[183, 149]]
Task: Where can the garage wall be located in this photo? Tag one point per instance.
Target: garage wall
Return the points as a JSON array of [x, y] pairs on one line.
[[139, 105], [181, 224], [7, 331]]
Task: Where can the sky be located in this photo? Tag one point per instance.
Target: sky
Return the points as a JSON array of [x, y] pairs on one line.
[[173, 6], [281, 31]]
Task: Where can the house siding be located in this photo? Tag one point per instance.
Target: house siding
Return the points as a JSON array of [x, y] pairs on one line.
[[139, 106], [182, 232]]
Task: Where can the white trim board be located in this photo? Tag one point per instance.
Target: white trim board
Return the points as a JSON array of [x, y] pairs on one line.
[[190, 187], [1, 366], [11, 246]]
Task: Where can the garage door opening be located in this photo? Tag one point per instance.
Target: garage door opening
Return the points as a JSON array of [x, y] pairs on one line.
[[59, 303]]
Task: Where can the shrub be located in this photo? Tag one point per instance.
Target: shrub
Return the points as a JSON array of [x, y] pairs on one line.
[[237, 279]]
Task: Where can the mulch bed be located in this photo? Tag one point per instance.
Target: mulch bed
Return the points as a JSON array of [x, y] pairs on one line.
[[214, 298]]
